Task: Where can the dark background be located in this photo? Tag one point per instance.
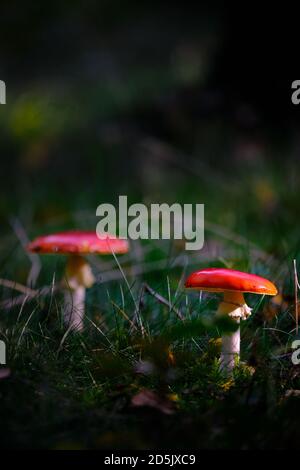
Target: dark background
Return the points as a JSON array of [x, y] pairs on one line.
[[98, 78], [162, 102]]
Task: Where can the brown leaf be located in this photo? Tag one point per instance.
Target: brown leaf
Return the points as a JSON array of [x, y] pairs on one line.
[[151, 399], [4, 373]]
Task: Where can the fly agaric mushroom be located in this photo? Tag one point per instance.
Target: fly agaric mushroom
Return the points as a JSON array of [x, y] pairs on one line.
[[233, 284], [78, 273]]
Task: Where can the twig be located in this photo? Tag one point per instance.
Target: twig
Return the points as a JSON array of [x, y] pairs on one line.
[[19, 287], [26, 293], [34, 258], [10, 303], [162, 300]]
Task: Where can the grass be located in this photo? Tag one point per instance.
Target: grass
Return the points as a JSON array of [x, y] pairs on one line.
[[69, 390]]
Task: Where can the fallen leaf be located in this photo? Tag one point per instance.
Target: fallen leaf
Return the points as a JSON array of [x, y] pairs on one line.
[[4, 373], [292, 393], [144, 367], [173, 397], [151, 399], [171, 358]]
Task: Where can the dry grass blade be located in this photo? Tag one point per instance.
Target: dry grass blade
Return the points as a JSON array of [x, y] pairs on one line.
[[102, 333], [25, 326], [296, 295], [137, 312], [121, 311], [162, 300]]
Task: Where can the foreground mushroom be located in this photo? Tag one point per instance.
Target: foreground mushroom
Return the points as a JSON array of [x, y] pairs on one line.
[[78, 273], [233, 284]]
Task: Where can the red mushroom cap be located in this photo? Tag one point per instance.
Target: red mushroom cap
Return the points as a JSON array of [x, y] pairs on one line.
[[78, 242], [220, 280]]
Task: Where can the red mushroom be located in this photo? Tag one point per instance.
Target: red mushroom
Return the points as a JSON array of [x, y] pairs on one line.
[[78, 274], [233, 284]]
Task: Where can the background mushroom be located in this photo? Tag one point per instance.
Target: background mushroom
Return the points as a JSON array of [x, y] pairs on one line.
[[78, 273], [233, 284]]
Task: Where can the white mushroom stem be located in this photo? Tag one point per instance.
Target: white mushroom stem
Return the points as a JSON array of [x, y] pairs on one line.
[[234, 306], [78, 277], [74, 303]]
